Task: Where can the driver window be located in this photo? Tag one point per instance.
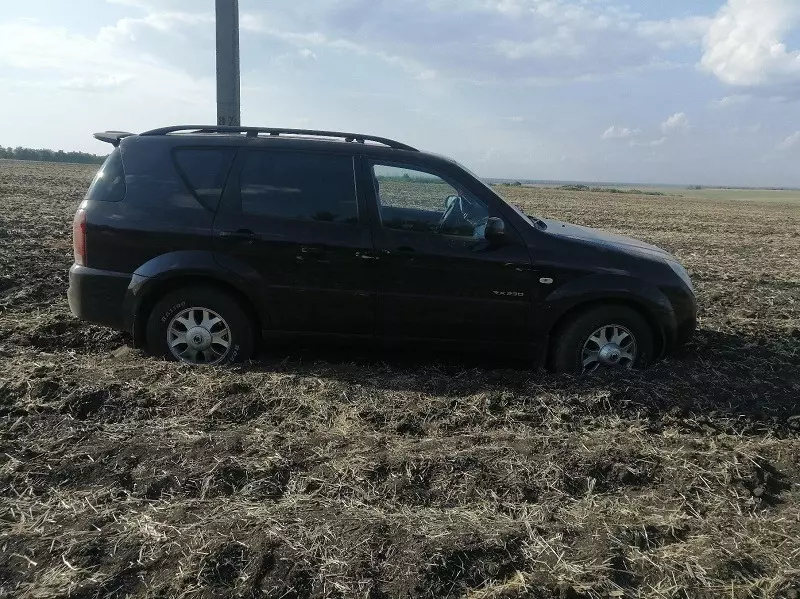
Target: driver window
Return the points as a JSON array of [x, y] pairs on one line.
[[412, 200]]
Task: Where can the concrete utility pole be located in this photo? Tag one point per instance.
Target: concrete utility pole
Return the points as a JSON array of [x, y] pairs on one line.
[[228, 103]]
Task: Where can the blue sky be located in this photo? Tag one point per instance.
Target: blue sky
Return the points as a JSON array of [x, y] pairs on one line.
[[659, 91]]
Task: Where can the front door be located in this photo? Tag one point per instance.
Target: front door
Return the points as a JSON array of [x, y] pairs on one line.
[[296, 218], [438, 276]]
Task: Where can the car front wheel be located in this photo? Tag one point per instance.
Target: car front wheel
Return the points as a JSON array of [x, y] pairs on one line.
[[200, 326], [602, 338]]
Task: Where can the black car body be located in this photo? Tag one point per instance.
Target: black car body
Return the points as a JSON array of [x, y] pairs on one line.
[[332, 235]]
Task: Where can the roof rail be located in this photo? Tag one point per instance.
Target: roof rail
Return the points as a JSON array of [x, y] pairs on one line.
[[112, 137], [254, 131]]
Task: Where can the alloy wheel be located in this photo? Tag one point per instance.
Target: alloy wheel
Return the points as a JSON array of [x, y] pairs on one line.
[[610, 346], [198, 335]]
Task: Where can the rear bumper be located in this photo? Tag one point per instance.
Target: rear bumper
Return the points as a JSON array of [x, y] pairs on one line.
[[97, 295]]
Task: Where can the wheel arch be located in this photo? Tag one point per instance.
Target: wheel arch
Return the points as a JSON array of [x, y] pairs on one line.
[[584, 294], [659, 336], [173, 271], [164, 286]]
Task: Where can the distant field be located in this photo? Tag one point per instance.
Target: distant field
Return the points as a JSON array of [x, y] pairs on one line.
[[752, 195], [707, 193], [312, 473]]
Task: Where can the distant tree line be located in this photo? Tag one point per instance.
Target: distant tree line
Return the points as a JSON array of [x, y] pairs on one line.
[[406, 178], [42, 155], [611, 190]]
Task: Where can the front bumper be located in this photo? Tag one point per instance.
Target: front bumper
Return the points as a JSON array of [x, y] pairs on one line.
[[684, 307], [685, 331], [97, 295]]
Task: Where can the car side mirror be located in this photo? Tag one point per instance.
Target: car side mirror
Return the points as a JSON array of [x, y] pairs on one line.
[[495, 231], [449, 201]]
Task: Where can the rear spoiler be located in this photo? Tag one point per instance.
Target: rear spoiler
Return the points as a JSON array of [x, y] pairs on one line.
[[112, 137]]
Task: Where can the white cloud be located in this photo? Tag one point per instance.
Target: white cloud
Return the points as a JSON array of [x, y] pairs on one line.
[[755, 128], [127, 28], [95, 61], [790, 142], [687, 31], [677, 122], [66, 66], [371, 54], [102, 83], [744, 43], [136, 3], [25, 45], [296, 60], [615, 132], [156, 5], [257, 24], [733, 100], [543, 41], [649, 144]]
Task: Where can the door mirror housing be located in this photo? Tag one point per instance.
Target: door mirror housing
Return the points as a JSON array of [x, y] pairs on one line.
[[495, 231]]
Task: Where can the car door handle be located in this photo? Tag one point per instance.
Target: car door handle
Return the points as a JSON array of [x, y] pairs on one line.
[[310, 253], [245, 234], [366, 256]]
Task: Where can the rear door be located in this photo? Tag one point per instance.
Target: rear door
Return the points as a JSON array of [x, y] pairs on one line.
[[297, 219], [438, 278]]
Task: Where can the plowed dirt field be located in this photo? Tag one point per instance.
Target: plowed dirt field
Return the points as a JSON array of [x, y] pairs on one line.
[[319, 473]]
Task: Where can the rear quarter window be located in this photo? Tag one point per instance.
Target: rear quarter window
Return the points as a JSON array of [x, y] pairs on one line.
[[108, 184], [204, 170]]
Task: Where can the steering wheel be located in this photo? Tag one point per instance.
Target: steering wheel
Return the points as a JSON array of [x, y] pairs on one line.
[[448, 213], [471, 213], [459, 213]]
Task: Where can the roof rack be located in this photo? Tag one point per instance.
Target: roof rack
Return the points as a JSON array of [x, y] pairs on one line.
[[254, 131]]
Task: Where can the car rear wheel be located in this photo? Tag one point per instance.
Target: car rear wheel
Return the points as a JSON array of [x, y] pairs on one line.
[[200, 326], [602, 338]]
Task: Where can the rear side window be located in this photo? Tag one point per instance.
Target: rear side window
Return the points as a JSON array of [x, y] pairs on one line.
[[299, 185], [204, 170], [108, 184]]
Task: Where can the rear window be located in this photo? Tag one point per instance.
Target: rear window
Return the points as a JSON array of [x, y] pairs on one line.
[[299, 185], [108, 184], [204, 171]]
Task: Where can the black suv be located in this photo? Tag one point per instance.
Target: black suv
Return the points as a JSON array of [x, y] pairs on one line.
[[202, 241]]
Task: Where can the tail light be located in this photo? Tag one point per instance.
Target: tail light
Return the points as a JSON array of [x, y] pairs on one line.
[[79, 237]]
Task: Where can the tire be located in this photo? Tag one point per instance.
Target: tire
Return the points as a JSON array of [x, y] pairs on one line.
[[181, 312], [567, 353]]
